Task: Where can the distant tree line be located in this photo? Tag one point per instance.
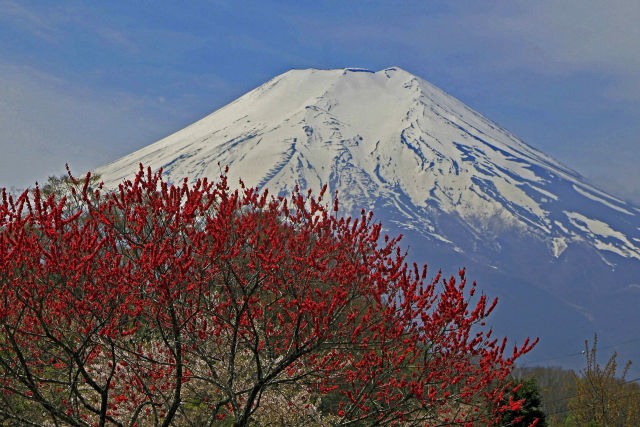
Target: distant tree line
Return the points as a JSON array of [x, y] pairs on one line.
[[596, 396]]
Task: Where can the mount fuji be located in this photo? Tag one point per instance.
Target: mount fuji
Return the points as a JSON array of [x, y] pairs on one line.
[[562, 255]]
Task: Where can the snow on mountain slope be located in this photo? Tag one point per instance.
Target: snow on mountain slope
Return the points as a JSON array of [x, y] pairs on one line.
[[563, 256], [392, 136]]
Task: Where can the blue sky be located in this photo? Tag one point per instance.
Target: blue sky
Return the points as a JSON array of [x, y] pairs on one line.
[[87, 82]]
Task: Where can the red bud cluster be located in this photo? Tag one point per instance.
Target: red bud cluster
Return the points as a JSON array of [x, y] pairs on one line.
[[162, 304]]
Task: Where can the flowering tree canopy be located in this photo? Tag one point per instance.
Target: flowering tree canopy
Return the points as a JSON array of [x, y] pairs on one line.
[[160, 304]]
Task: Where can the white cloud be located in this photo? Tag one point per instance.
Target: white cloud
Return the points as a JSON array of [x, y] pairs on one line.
[[52, 22], [46, 122], [574, 34], [20, 15], [546, 37]]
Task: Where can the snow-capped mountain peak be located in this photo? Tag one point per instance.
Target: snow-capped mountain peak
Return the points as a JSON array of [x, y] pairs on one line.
[[391, 136], [464, 191]]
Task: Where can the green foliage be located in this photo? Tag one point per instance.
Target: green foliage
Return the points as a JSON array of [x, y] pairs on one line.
[[61, 185], [601, 398], [531, 408], [64, 186], [556, 386], [597, 396]]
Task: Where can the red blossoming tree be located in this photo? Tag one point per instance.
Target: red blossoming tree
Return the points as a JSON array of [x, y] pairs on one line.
[[196, 305]]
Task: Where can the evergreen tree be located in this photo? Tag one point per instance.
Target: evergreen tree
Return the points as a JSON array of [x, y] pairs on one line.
[[531, 409]]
